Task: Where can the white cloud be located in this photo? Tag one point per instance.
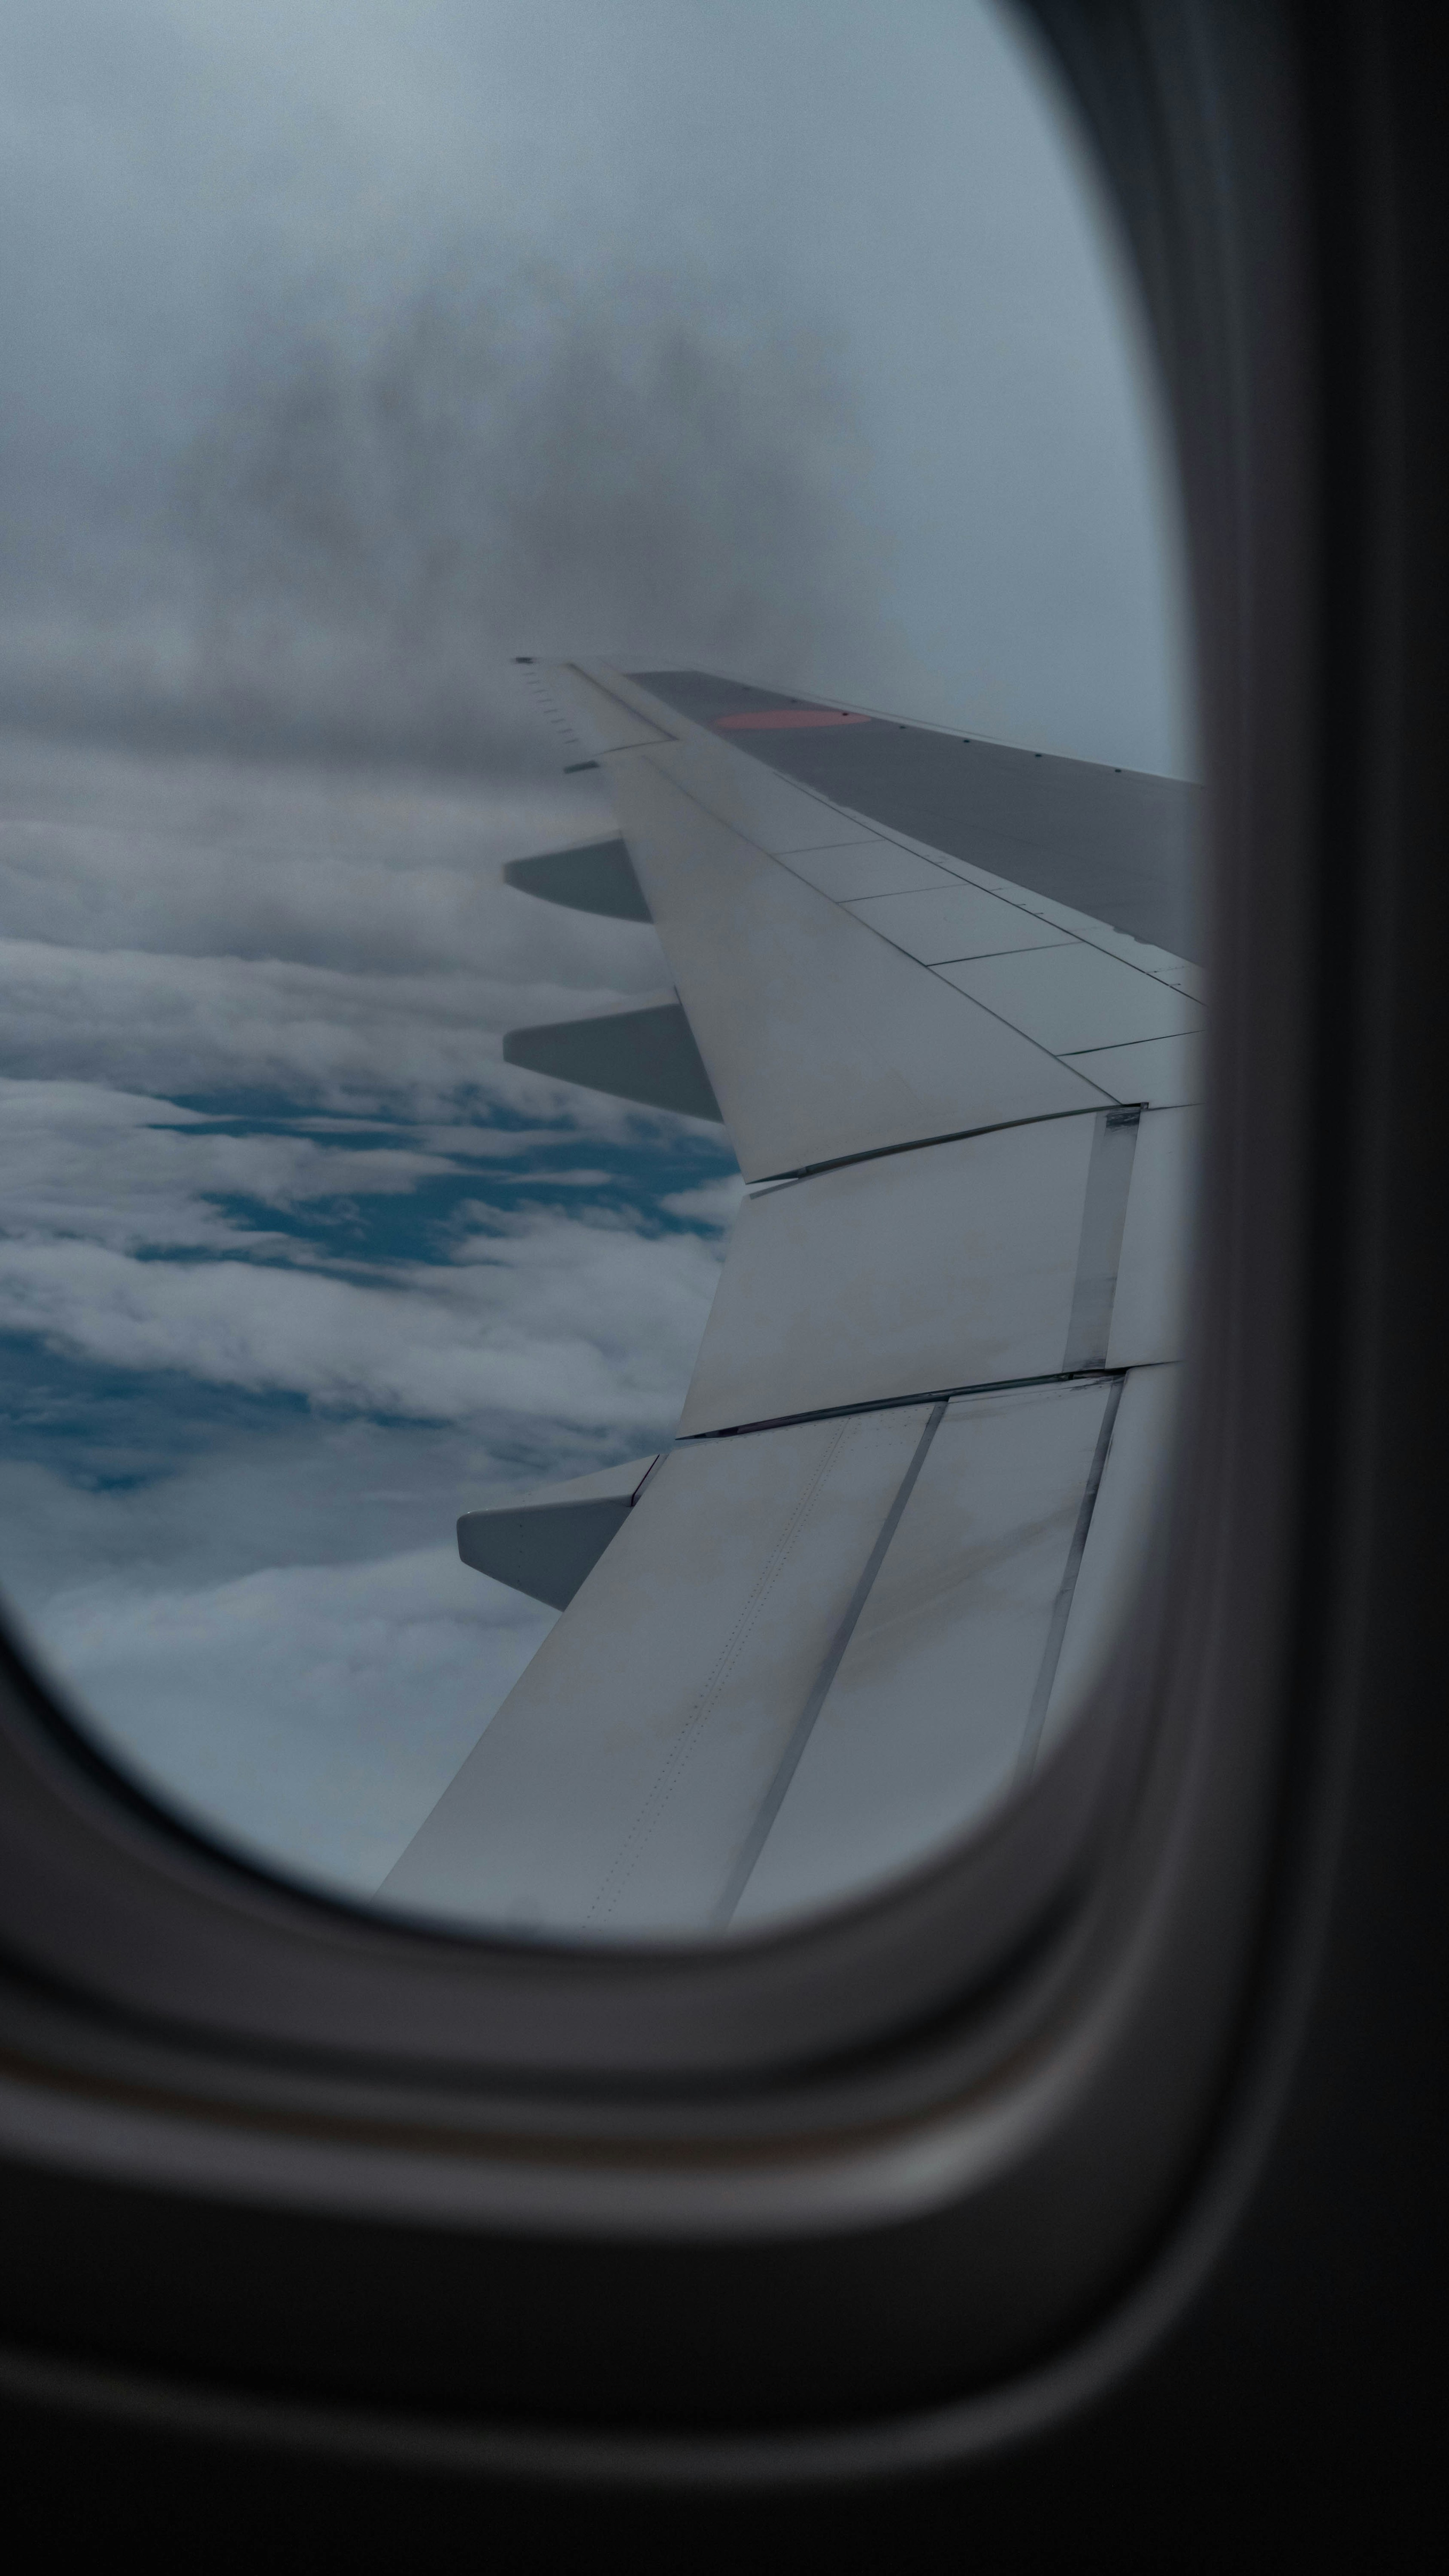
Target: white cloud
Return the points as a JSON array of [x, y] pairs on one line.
[[309, 1714], [553, 1316], [377, 875], [259, 1486], [206, 1024], [344, 940], [121, 1169], [714, 1203], [265, 1616]]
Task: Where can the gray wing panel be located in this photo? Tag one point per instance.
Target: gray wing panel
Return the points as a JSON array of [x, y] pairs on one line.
[[1128, 1508], [617, 1784], [866, 1588], [1069, 996], [1030, 1252], [1147, 1314], [1118, 844], [818, 1045], [821, 1039], [952, 1266], [952, 1658], [1166, 1073], [753, 1706]]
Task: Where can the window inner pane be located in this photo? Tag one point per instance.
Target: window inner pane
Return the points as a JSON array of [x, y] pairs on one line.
[[400, 1033]]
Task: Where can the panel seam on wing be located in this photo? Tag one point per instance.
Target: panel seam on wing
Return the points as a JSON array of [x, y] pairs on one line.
[[949, 1136], [763, 1821], [645, 1823], [919, 1395], [1105, 1098]]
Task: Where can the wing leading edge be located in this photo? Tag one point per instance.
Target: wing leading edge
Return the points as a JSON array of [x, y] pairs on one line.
[[856, 1602]]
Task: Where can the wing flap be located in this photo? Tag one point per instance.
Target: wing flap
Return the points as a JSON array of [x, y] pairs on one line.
[[933, 1712], [616, 1786], [810, 1656], [1151, 1298], [1029, 1252], [1116, 1545], [951, 1266]]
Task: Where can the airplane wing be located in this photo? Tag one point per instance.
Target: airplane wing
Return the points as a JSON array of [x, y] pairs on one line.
[[940, 994]]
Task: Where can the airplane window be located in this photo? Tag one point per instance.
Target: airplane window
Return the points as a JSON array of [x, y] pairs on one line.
[[601, 958]]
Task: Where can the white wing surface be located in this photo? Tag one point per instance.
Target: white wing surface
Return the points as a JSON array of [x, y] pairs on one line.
[[844, 1615]]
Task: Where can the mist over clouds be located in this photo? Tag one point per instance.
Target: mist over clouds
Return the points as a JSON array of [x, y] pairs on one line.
[[379, 514], [379, 509], [348, 350]]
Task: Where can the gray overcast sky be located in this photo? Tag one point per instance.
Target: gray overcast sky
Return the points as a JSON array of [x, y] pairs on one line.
[[351, 345]]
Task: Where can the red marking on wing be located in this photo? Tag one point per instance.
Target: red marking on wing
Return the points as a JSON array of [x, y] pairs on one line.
[[783, 719]]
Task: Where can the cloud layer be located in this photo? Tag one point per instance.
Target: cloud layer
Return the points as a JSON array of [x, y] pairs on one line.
[[310, 1715], [295, 1268], [351, 351]]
